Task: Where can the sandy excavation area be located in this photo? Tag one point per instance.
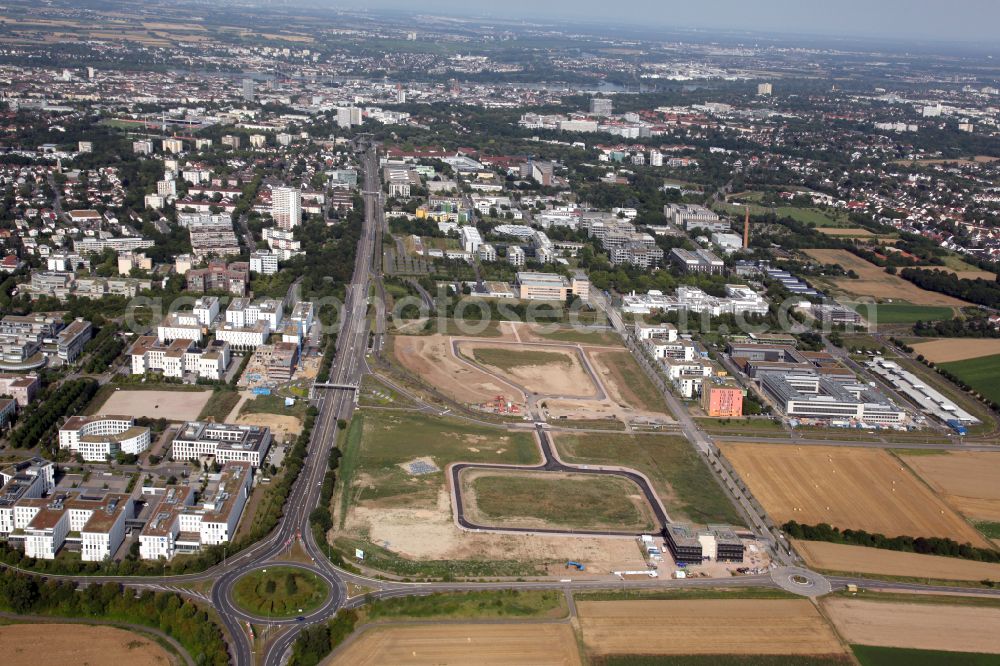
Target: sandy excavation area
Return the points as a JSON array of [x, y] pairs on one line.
[[969, 481], [537, 644], [282, 426], [706, 626], [565, 377], [170, 405], [430, 533], [921, 626], [858, 559], [946, 350], [430, 358], [849, 488], [79, 644]]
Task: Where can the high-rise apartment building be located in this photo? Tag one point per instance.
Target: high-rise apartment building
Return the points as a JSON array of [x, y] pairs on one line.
[[286, 207], [600, 106]]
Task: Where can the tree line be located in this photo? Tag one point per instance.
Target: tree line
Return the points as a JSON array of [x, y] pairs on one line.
[[907, 544], [979, 291], [182, 620]]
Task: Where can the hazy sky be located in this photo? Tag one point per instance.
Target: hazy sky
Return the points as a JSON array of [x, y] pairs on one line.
[[946, 20]]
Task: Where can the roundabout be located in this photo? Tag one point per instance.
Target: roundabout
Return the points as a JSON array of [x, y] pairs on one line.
[[801, 581], [281, 593]]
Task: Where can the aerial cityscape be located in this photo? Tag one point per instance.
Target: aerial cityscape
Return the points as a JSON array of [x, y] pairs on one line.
[[558, 334]]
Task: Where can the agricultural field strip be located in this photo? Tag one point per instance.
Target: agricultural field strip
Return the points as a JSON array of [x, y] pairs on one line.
[[486, 643], [850, 488], [924, 626], [706, 626]]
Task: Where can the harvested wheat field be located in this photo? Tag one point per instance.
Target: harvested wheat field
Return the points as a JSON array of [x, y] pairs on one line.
[[849, 488], [706, 626], [482, 644], [922, 626], [544, 369], [875, 282], [79, 644], [431, 359], [969, 481], [854, 232], [946, 350], [858, 559]]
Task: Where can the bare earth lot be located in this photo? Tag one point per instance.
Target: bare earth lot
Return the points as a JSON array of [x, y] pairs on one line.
[[565, 377], [875, 282], [946, 350], [459, 644], [171, 405], [281, 425], [431, 359], [922, 626], [78, 644], [858, 559], [706, 626], [849, 488], [430, 533], [969, 481]]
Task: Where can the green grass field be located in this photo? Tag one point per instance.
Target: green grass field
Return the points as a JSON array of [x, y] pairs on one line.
[[989, 529], [585, 336], [378, 443], [280, 592], [472, 605], [274, 404], [219, 405], [904, 313], [683, 482], [506, 359], [979, 373], [635, 386], [870, 655], [815, 217], [577, 501]]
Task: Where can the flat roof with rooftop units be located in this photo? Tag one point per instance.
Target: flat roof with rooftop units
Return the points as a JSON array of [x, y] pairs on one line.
[[927, 398]]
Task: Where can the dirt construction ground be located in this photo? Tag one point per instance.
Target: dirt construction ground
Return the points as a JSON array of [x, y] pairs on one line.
[[460, 644], [969, 481], [565, 378], [849, 488], [706, 626], [858, 559], [431, 534], [875, 282], [957, 349], [171, 405], [78, 644], [921, 626], [430, 358], [282, 426]]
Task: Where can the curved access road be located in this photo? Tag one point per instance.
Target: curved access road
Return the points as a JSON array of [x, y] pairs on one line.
[[552, 463]]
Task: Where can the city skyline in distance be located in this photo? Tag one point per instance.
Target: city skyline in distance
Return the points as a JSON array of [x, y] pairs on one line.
[[959, 22]]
